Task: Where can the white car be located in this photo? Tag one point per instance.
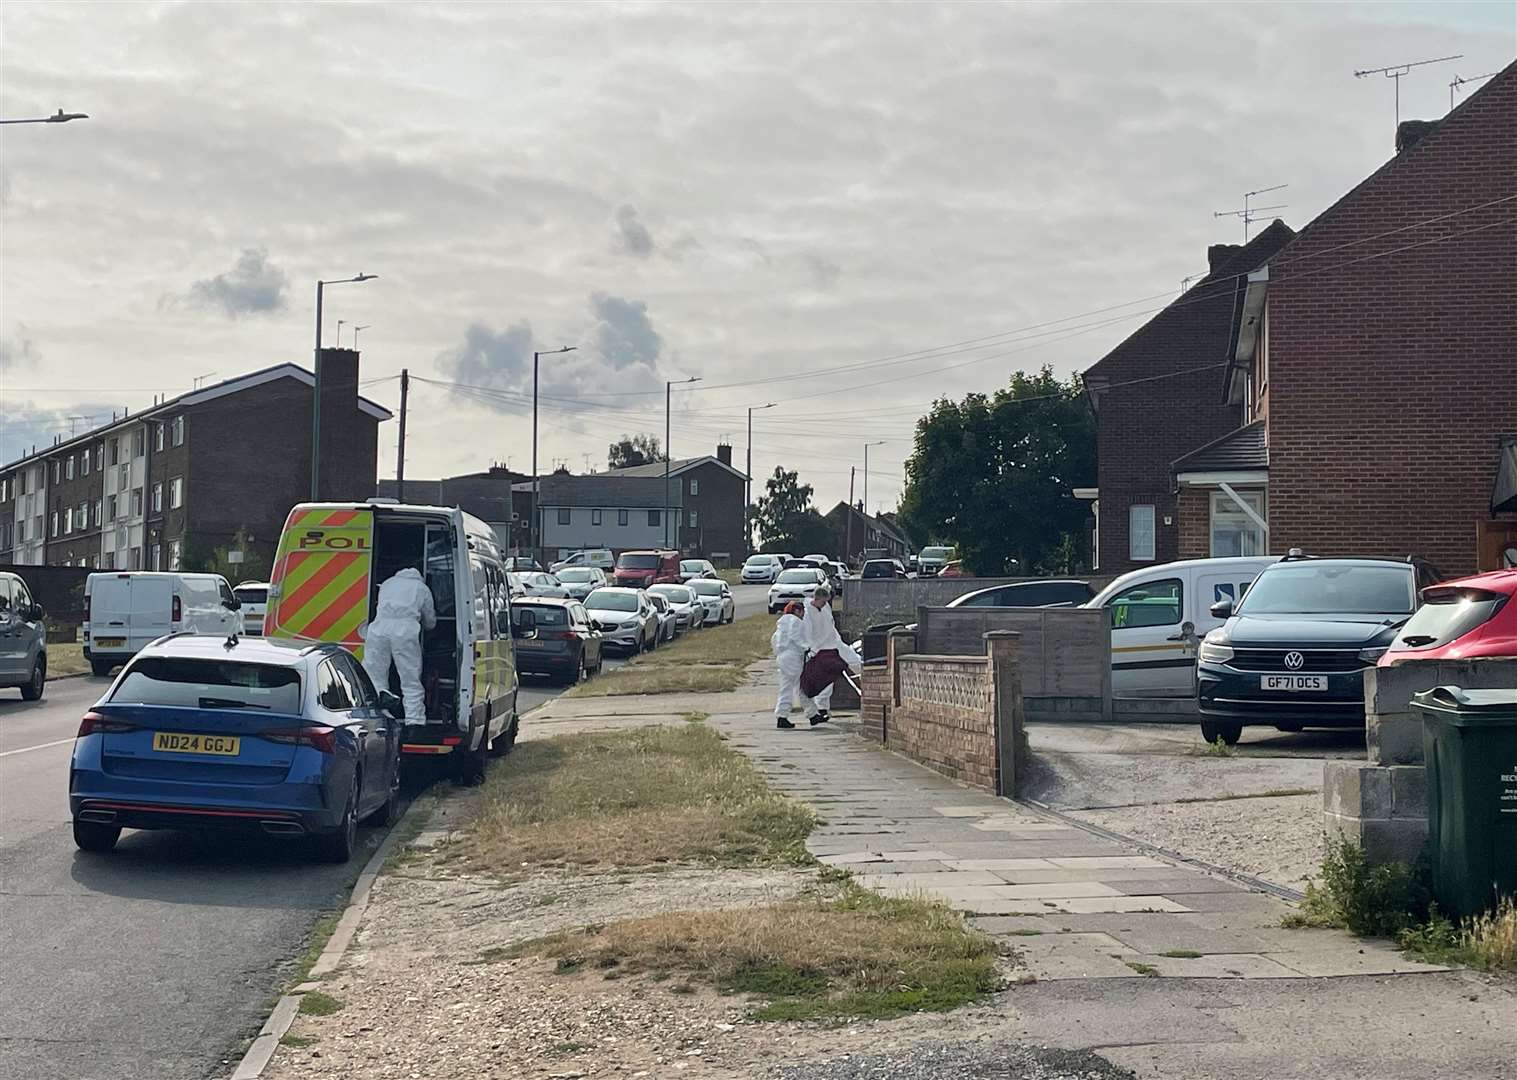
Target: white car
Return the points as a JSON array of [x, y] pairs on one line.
[[580, 581], [625, 618], [537, 584], [762, 569], [690, 569], [716, 598], [254, 597], [797, 585], [599, 558]]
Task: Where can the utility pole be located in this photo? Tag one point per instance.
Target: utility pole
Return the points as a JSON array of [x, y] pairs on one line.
[[748, 524], [400, 452], [848, 543], [532, 524]]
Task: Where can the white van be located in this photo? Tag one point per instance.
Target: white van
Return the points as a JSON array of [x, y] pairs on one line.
[[125, 611], [1160, 614], [600, 558]]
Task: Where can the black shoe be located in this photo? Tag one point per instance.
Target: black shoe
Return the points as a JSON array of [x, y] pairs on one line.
[[821, 718], [783, 724]]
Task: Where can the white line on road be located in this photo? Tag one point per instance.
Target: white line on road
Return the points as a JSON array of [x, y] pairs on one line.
[[39, 746]]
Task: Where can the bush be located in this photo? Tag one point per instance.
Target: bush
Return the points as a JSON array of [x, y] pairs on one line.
[[1370, 901]]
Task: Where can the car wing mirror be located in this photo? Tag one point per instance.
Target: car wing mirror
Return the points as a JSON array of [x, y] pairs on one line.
[[1222, 609], [35, 613], [233, 604]]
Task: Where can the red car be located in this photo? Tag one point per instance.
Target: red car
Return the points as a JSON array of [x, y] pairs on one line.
[[644, 569], [1468, 617]]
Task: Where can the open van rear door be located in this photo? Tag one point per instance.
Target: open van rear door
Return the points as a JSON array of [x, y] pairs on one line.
[[320, 586]]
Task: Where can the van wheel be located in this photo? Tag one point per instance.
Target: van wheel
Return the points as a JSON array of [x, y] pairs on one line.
[[93, 836], [1228, 733], [32, 689], [101, 667], [506, 740], [472, 764]]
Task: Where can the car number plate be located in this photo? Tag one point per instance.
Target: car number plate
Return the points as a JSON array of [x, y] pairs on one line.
[[1293, 682], [529, 643], [174, 743], [110, 642]]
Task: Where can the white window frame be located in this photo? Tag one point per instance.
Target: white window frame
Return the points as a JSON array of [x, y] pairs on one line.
[[158, 497], [1134, 516], [695, 486], [595, 517], [160, 434], [178, 433], [693, 519], [1225, 512], [176, 492]]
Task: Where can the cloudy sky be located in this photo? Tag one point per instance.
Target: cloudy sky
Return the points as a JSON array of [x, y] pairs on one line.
[[785, 201]]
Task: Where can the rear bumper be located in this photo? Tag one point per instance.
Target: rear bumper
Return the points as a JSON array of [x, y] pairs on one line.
[[291, 809], [546, 661]]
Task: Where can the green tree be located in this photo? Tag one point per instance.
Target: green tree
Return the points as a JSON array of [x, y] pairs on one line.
[[634, 450], [199, 557], [994, 474], [785, 518]]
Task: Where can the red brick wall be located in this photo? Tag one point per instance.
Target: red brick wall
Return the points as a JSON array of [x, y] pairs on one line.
[[1391, 378], [1194, 525]]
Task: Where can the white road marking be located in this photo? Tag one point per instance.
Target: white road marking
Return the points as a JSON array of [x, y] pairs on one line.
[[39, 746]]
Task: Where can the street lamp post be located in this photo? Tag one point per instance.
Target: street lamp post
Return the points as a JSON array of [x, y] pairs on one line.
[[867, 445], [668, 399], [532, 524], [747, 513], [365, 326], [316, 391], [59, 117]]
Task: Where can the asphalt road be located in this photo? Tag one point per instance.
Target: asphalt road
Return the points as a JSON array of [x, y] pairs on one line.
[[157, 961]]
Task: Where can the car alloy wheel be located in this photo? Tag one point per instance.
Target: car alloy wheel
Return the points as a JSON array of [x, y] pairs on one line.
[[34, 687], [338, 846]]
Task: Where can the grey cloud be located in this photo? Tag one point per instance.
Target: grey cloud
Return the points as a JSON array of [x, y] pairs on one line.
[[499, 360], [624, 335], [254, 286], [824, 272], [17, 350], [633, 235]]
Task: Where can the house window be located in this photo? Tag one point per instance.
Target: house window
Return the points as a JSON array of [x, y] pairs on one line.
[[54, 523], [1095, 535], [100, 457], [68, 470], [594, 517], [110, 508], [695, 486], [115, 452], [1140, 532], [173, 555], [126, 478], [655, 518], [157, 498], [139, 442], [621, 517], [135, 562], [108, 561], [136, 502], [176, 493], [563, 515], [179, 431], [158, 436], [98, 519], [21, 531], [82, 518], [152, 557], [1233, 532], [57, 471], [692, 519]]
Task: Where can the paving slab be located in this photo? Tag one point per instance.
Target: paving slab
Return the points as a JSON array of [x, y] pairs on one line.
[[1076, 956]]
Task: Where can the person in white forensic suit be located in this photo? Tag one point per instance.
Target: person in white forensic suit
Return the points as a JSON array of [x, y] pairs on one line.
[[404, 609], [789, 644], [822, 636]]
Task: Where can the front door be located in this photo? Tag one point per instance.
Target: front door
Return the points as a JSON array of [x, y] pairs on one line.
[[1151, 653]]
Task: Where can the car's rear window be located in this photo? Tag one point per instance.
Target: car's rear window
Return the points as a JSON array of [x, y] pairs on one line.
[[252, 596], [208, 684], [1447, 615], [936, 552], [1330, 588], [677, 593], [708, 587], [759, 560], [878, 569], [574, 574], [611, 601], [798, 577], [637, 562], [546, 614]]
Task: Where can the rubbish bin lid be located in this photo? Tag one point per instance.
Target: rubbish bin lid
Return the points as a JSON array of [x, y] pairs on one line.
[[1484, 704]]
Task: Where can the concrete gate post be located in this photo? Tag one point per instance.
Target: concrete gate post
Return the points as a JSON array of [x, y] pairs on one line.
[[1004, 648]]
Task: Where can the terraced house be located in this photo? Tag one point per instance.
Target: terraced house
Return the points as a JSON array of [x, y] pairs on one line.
[[191, 473]]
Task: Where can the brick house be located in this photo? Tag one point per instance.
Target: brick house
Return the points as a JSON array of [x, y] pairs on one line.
[[603, 510], [857, 531], [489, 495], [1376, 360], [711, 497], [191, 472], [1155, 399]]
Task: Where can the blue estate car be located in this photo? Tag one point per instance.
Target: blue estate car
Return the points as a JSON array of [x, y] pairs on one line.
[[261, 734]]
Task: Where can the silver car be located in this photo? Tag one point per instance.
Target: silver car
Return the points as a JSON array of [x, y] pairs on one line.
[[668, 619], [580, 581], [624, 617], [537, 583], [23, 639], [682, 599], [690, 569]]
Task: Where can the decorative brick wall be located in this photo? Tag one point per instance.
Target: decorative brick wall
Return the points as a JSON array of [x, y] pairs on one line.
[[945, 717]]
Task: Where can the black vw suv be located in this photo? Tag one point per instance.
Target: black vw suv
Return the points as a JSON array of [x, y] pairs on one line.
[[1293, 653]]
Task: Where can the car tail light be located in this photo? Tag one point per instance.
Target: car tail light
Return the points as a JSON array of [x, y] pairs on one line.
[[566, 635], [322, 738], [95, 724], [176, 613]]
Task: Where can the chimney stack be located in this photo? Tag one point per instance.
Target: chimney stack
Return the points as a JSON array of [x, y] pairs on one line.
[[724, 453], [1410, 132], [1218, 254]]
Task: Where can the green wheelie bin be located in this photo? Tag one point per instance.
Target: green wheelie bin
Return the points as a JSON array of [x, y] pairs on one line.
[[1469, 740]]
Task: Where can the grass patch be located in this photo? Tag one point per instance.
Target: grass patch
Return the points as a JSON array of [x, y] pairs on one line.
[[695, 716], [634, 798], [321, 933], [1146, 970], [298, 1042], [710, 660], [857, 954], [733, 576], [66, 658], [1218, 748], [318, 1004], [1182, 954], [1273, 793], [1370, 901], [1487, 942]]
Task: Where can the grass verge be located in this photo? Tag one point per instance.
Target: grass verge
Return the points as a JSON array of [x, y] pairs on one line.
[[857, 954], [634, 798], [318, 1004], [712, 660], [66, 658]]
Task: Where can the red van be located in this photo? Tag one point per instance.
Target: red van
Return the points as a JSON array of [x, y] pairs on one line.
[[1459, 620], [640, 569]]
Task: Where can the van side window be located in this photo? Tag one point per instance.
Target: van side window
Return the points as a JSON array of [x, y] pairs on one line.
[[440, 570], [331, 690], [500, 598], [481, 595], [1153, 603]]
